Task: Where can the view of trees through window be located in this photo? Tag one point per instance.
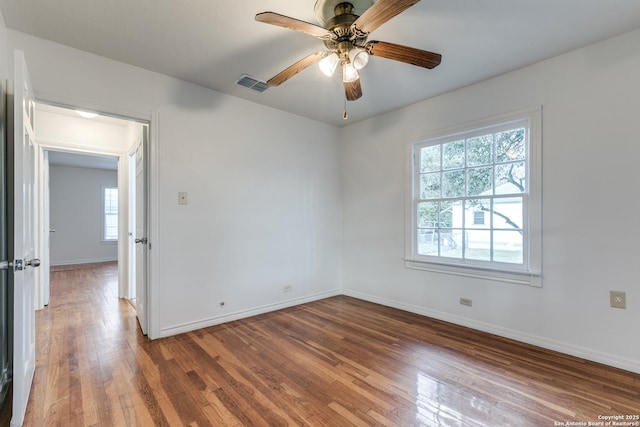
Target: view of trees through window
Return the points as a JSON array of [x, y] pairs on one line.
[[460, 178]]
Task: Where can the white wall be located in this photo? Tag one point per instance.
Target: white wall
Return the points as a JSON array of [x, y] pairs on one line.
[[264, 199], [76, 215], [590, 203]]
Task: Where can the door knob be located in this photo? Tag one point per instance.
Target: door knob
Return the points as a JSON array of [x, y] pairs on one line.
[[143, 240], [35, 262]]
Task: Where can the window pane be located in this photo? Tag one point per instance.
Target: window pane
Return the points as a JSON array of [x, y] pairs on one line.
[[446, 214], [111, 227], [427, 242], [479, 181], [480, 150], [478, 245], [507, 213], [430, 186], [476, 209], [428, 214], [450, 243], [430, 158], [510, 178], [453, 155], [453, 183], [111, 200], [510, 145], [507, 246]]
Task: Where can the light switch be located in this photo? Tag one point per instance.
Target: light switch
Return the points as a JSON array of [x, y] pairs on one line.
[[182, 198]]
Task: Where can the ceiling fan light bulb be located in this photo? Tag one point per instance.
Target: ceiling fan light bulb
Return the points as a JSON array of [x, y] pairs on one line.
[[359, 57], [328, 64], [349, 73]]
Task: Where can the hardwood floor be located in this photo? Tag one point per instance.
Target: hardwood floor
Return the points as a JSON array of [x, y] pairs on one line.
[[335, 362]]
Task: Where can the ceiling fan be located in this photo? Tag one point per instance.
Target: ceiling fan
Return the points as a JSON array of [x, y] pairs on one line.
[[346, 26]]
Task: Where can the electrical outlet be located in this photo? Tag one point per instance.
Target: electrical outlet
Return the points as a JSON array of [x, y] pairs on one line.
[[183, 198], [618, 299], [287, 288], [466, 301]]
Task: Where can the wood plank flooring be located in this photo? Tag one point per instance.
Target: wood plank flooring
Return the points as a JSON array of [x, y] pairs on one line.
[[335, 362]]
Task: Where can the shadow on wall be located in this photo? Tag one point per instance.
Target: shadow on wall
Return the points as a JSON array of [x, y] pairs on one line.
[[195, 98]]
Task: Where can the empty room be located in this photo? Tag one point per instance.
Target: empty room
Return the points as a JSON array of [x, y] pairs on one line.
[[391, 212]]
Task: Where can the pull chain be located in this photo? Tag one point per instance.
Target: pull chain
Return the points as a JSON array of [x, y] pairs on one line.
[[344, 112]]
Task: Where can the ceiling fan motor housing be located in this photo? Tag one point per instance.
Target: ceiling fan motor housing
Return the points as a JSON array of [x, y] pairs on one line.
[[341, 25]]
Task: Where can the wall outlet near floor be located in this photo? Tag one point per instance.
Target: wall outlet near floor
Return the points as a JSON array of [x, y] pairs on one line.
[[618, 299], [287, 288], [466, 301]]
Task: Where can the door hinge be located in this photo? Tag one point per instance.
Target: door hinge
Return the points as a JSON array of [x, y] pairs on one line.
[[14, 265]]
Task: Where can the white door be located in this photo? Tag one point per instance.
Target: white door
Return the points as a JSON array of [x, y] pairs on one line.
[[142, 245], [23, 238]]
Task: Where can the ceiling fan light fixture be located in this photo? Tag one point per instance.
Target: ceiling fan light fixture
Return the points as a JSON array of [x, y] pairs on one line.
[[359, 57], [349, 73], [328, 64]]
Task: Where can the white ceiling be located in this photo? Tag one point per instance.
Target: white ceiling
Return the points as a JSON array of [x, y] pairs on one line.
[[212, 42]]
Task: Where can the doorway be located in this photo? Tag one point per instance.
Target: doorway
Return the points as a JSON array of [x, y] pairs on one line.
[[95, 146]]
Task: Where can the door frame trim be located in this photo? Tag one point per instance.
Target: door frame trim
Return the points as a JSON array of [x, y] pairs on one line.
[[151, 119]]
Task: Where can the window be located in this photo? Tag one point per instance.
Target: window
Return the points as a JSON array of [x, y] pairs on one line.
[[110, 214], [478, 217], [475, 205]]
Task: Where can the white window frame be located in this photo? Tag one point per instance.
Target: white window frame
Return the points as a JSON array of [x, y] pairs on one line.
[[528, 273], [103, 214]]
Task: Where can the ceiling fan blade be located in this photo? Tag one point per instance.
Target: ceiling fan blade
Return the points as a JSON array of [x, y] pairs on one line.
[[381, 12], [293, 24], [409, 55], [291, 71], [353, 90]]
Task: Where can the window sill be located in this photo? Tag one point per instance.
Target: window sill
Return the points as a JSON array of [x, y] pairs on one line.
[[515, 277], [109, 242]]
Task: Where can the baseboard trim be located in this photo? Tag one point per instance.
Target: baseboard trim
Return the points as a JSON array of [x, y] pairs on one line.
[[241, 314], [83, 261], [577, 351]]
